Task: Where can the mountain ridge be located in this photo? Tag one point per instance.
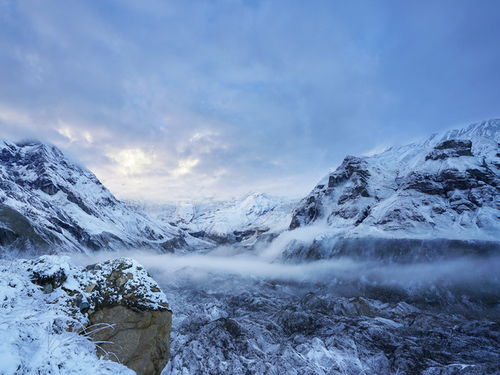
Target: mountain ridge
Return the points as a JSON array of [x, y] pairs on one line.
[[47, 202], [412, 188]]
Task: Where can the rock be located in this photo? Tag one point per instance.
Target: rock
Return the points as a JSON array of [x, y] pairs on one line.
[[138, 339], [47, 274], [126, 313], [17, 231], [417, 190], [353, 170], [126, 297], [451, 148]]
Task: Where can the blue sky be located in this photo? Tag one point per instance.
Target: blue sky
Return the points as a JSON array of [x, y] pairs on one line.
[[180, 99]]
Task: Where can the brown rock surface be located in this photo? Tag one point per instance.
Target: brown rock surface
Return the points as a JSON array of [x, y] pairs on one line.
[[121, 294], [138, 339]]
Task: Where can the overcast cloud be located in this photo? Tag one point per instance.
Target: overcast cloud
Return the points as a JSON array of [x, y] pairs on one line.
[[179, 99]]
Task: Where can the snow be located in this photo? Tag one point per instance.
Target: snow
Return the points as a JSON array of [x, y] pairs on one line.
[[253, 211], [39, 335], [78, 211], [396, 211]]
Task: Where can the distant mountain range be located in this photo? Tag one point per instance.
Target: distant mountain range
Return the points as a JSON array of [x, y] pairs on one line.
[[238, 220], [444, 187]]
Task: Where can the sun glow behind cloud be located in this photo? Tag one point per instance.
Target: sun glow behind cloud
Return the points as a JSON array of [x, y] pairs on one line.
[[132, 161], [75, 135]]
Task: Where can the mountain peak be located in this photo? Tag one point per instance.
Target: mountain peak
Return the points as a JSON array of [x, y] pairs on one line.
[[485, 129], [65, 205], [445, 186]]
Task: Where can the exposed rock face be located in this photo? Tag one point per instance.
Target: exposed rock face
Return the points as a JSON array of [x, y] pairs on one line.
[[126, 312], [48, 202], [351, 178], [445, 186], [451, 148], [139, 339], [122, 294], [16, 229]]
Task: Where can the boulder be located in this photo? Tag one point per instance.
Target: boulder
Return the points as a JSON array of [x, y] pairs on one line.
[[122, 308], [138, 339], [123, 295]]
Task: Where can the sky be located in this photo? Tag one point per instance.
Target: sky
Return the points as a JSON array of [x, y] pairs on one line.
[[191, 99]]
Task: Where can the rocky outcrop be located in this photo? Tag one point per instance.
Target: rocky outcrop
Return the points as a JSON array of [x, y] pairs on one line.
[[124, 310], [348, 183], [138, 339], [122, 294], [451, 148]]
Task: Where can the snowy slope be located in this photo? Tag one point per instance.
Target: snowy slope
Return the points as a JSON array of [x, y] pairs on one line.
[[49, 203], [40, 331], [228, 221], [443, 187]]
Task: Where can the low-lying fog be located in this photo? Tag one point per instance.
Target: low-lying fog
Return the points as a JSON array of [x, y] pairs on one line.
[[221, 262]]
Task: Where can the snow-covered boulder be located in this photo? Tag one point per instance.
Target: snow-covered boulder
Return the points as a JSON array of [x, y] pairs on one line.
[[111, 311]]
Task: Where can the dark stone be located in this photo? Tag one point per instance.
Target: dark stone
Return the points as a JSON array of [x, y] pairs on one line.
[[454, 144], [47, 276], [451, 149], [17, 230], [174, 244]]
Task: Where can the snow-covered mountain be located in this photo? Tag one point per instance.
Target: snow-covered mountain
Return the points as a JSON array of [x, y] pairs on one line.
[[227, 221], [445, 187], [48, 203]]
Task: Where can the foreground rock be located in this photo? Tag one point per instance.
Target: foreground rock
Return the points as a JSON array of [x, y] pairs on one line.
[[124, 295], [119, 305]]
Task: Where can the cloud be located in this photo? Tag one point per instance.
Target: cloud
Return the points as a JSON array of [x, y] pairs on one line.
[[132, 161], [185, 166], [416, 276], [262, 95]]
